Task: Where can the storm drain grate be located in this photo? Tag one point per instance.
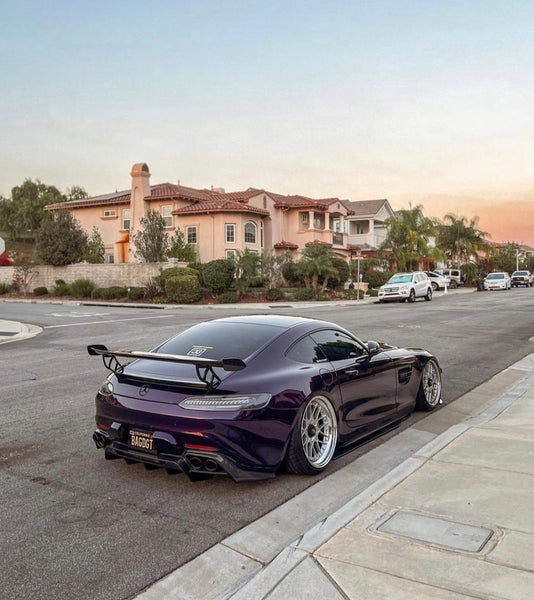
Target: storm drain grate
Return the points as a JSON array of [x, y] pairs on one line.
[[436, 532]]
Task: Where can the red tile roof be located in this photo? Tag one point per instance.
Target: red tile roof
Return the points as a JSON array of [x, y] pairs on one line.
[[219, 206], [283, 245]]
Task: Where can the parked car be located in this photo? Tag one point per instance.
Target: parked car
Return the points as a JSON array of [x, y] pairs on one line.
[[521, 278], [455, 275], [438, 281], [404, 287], [497, 281], [244, 396]]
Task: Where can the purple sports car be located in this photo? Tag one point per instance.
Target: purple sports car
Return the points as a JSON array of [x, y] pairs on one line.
[[245, 396]]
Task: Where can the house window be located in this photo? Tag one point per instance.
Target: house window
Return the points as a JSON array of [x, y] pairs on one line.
[[265, 202], [261, 234], [250, 233], [230, 253], [191, 234], [230, 233], [166, 213], [110, 214], [126, 218], [110, 259], [304, 218]]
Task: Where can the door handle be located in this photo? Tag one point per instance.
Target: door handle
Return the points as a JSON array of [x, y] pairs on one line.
[[352, 371]]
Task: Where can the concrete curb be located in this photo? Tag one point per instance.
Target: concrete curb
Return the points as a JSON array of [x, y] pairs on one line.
[[253, 561]]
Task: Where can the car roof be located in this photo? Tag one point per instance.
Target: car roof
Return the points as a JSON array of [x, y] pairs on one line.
[[282, 321]]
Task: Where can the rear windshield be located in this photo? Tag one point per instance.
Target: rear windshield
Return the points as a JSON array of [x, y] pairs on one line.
[[221, 340], [400, 278], [495, 276]]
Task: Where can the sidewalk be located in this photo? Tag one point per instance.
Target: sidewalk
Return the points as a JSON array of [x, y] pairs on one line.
[[452, 520]]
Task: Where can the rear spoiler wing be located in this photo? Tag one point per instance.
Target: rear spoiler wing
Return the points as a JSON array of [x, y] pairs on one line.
[[204, 366]]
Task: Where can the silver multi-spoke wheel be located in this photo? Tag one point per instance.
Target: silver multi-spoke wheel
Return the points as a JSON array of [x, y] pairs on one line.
[[313, 440], [430, 389], [318, 432]]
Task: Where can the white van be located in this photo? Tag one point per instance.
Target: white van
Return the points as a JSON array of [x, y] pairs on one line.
[[455, 275]]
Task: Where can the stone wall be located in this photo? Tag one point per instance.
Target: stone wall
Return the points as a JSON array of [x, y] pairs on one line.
[[125, 274]]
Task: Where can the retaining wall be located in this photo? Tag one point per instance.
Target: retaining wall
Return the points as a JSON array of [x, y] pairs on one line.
[[124, 274]]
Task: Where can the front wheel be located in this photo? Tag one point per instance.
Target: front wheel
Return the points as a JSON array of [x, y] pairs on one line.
[[313, 440], [429, 394], [412, 296], [434, 286], [428, 296]]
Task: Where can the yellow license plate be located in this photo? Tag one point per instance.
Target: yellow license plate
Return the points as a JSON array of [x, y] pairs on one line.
[[141, 440]]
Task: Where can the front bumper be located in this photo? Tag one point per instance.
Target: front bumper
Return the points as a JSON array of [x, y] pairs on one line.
[[392, 295]]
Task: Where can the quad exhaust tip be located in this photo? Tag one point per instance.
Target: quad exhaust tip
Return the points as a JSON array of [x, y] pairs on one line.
[[99, 439]]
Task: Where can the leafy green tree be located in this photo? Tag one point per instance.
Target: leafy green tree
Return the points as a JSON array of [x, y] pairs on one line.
[[460, 238], [343, 272], [26, 208], [506, 257], [76, 192], [179, 249], [151, 241], [61, 240], [247, 266], [271, 266], [316, 262], [408, 238], [94, 252]]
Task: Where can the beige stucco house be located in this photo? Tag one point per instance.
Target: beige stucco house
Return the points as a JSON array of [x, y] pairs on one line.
[[367, 224], [216, 222]]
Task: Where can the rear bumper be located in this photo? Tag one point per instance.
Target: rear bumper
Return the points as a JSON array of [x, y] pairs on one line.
[[192, 462]]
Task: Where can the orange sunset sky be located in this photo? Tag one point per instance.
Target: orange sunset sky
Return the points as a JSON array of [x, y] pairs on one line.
[[419, 102]]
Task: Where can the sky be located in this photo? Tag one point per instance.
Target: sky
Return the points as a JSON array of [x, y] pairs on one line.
[[425, 102]]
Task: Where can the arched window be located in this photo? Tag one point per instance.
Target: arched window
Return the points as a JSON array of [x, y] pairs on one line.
[[250, 233]]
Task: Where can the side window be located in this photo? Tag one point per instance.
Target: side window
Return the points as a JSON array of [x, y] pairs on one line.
[[306, 351], [337, 346]]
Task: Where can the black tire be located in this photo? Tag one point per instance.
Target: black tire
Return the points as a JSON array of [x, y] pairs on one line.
[[411, 297], [429, 393], [428, 296], [434, 286], [453, 284], [313, 439]]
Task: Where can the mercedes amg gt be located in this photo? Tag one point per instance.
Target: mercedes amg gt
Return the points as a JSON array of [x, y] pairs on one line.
[[247, 396]]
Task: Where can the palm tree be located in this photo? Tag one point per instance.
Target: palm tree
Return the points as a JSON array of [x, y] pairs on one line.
[[460, 239], [316, 261], [408, 239]]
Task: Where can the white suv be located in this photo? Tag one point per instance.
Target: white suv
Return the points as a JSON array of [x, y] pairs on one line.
[[406, 287]]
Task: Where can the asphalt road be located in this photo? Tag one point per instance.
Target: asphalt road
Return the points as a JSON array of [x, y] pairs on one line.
[[76, 526]]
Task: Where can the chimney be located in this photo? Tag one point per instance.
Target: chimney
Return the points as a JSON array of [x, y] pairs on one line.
[[138, 206]]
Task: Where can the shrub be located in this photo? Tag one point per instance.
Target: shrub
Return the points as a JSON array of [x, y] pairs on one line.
[[82, 288], [304, 294], [112, 292], [376, 278], [4, 288], [352, 294], [322, 298], [151, 288], [227, 298], [136, 293], [343, 273], [274, 294], [61, 288], [183, 289], [373, 293], [166, 274], [218, 275], [40, 291]]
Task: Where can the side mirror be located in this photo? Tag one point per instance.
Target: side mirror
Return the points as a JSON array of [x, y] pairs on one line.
[[373, 348]]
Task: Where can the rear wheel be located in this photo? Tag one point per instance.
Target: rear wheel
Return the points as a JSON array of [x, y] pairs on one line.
[[313, 440], [434, 285], [429, 393], [412, 296], [453, 284]]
